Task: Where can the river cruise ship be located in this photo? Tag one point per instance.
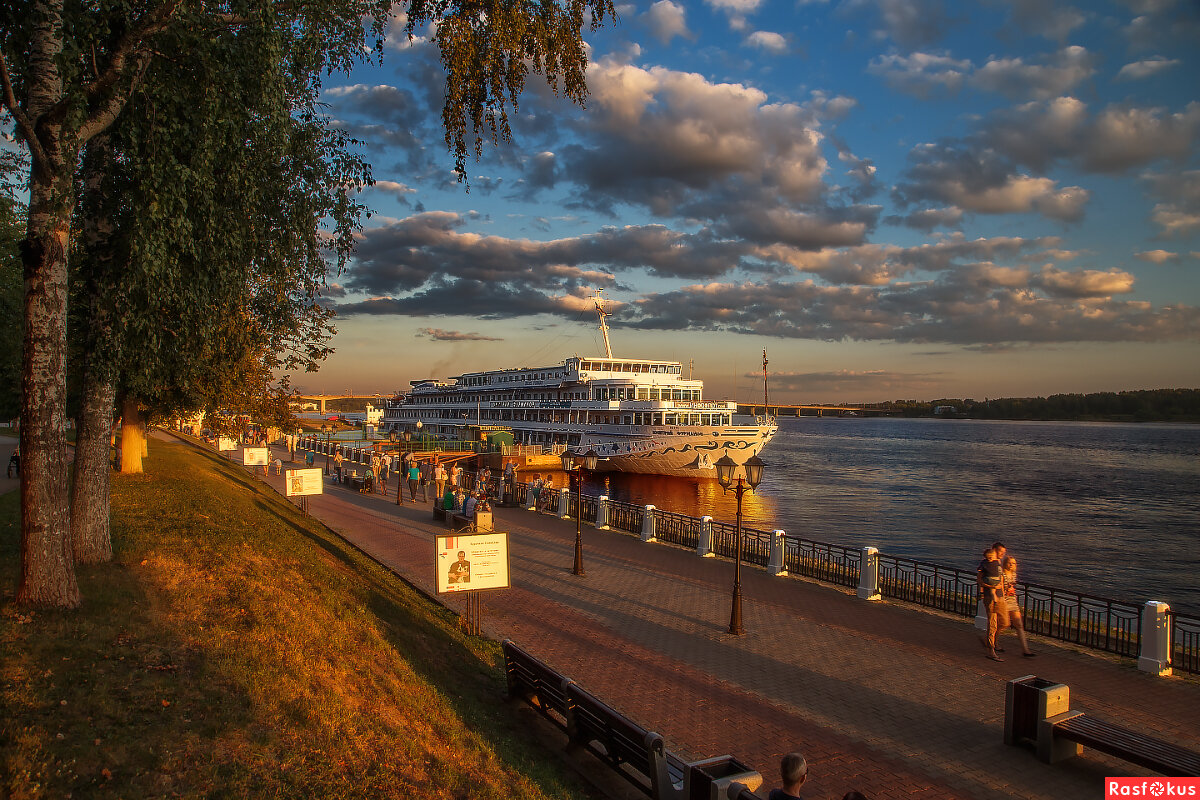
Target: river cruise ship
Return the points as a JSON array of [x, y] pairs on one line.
[[638, 415]]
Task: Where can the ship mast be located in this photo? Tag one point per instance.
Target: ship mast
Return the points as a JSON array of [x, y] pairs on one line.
[[766, 406], [600, 312]]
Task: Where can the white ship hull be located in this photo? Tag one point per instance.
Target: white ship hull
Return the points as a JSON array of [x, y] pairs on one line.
[[686, 453]]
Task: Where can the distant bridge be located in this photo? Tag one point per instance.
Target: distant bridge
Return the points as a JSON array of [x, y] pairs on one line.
[[814, 410], [321, 399]]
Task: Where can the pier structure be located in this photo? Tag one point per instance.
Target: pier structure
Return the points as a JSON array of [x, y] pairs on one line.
[[881, 697]]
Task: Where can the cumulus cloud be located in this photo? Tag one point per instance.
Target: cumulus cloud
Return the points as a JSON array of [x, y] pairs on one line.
[[1157, 256], [666, 20], [439, 335], [1016, 77], [982, 182], [768, 41], [1177, 212], [921, 74], [717, 153], [1137, 70], [1051, 20], [950, 310], [1083, 283], [909, 23]]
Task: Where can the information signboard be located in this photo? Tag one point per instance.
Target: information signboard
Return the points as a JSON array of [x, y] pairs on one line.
[[256, 456], [300, 482], [472, 561], [224, 444]]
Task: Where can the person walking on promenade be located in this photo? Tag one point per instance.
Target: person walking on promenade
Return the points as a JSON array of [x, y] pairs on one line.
[[337, 465], [545, 495], [439, 479], [386, 463], [991, 587], [793, 771], [414, 476], [535, 491], [455, 476], [376, 466], [1009, 574], [423, 478]]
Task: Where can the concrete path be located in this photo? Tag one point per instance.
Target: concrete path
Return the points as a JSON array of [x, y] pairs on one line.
[[888, 699]]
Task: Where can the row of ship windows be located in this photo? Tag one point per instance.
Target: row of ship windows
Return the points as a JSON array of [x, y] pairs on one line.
[[586, 417], [601, 392], [585, 366]]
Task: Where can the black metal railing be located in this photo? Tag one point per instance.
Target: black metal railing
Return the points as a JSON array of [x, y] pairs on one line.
[[1096, 622], [821, 560], [932, 585], [625, 516], [1185, 642], [590, 505], [676, 528], [756, 544]]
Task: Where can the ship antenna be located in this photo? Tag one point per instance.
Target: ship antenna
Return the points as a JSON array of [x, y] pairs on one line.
[[600, 312]]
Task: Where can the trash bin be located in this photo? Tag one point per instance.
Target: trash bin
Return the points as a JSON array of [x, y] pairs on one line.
[[1029, 700], [709, 779]]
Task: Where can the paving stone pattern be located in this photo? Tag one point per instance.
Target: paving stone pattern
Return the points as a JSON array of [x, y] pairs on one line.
[[888, 699]]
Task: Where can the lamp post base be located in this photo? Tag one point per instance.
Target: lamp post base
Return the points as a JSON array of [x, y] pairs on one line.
[[735, 613]]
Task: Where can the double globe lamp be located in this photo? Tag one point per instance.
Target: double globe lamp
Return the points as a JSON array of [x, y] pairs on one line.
[[726, 466], [578, 465]]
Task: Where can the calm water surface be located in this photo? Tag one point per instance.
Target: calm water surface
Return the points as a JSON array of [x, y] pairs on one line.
[[1105, 509]]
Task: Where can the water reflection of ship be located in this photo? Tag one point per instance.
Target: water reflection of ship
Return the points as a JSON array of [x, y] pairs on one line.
[[693, 497]]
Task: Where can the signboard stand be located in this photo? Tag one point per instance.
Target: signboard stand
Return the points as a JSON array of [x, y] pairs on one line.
[[469, 563]]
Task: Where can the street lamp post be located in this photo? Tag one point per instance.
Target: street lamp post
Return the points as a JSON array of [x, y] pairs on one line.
[[754, 470], [577, 466], [325, 430]]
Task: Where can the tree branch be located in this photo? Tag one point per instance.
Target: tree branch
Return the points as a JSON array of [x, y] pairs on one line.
[[23, 123], [107, 113]]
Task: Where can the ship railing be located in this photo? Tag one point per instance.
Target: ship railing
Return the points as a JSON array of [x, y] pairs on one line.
[[676, 528], [1185, 642]]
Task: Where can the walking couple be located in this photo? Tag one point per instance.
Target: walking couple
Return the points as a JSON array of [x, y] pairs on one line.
[[997, 579]]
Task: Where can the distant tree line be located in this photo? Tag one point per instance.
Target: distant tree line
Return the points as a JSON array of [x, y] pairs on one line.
[[1144, 405]]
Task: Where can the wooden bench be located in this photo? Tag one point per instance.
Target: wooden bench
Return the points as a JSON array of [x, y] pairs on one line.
[[439, 512], [638, 755], [1039, 711], [1163, 757]]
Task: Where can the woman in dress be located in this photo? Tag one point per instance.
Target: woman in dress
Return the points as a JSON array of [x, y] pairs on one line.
[[1009, 565]]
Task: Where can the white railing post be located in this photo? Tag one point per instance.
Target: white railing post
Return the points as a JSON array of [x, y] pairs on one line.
[[530, 498], [564, 504], [648, 521], [602, 512], [1155, 652], [868, 574], [775, 564], [704, 543]]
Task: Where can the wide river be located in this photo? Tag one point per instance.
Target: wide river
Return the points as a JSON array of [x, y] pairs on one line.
[[1106, 509]]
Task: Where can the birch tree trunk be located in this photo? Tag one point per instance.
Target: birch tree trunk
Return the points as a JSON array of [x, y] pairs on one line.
[[91, 538], [47, 564]]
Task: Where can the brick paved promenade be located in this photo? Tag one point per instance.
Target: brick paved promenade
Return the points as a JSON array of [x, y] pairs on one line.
[[885, 698]]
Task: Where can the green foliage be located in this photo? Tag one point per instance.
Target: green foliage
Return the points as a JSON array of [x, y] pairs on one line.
[[488, 50], [12, 228], [1146, 405]]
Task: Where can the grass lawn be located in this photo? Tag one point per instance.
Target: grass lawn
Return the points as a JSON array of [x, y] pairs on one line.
[[236, 649]]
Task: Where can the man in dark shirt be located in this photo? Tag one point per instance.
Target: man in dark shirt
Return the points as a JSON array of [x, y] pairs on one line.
[[793, 770], [989, 578], [460, 571]]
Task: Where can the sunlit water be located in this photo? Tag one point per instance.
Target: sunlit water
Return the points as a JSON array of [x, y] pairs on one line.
[[1111, 510]]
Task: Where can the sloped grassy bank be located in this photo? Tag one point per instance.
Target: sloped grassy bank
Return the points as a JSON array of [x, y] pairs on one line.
[[237, 649]]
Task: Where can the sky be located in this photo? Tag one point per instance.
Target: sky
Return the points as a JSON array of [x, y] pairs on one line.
[[896, 199]]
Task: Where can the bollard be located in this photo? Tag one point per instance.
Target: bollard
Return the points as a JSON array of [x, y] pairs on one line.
[[1155, 652], [530, 500], [704, 542], [868, 576], [564, 504], [648, 521], [775, 564], [602, 512]]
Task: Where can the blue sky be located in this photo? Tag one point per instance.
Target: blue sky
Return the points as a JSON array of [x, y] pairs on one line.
[[895, 199]]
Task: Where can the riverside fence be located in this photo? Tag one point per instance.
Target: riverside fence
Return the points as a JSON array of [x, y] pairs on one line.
[[1159, 638]]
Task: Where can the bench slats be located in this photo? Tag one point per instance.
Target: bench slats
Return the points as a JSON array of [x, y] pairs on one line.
[[1137, 748]]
